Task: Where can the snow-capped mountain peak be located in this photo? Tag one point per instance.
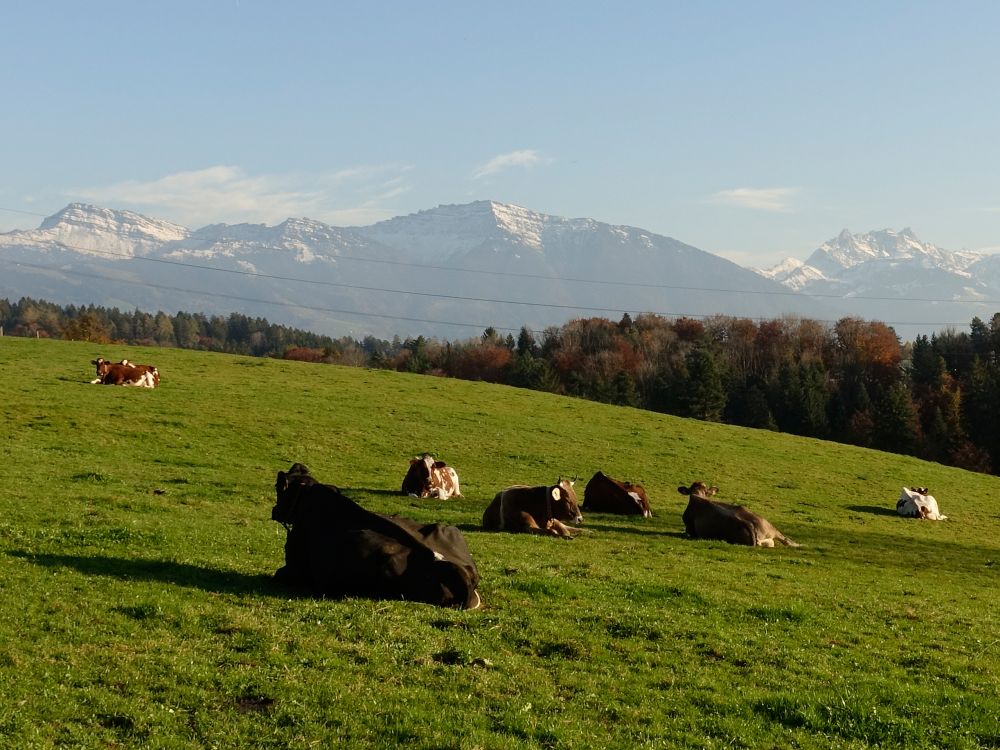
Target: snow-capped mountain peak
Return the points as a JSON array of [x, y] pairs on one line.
[[450, 230], [894, 276], [84, 228]]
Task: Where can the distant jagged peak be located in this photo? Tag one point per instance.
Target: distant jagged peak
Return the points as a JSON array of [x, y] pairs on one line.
[[781, 270], [847, 250], [77, 217]]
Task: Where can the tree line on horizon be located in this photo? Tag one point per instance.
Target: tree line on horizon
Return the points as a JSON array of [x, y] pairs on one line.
[[852, 381]]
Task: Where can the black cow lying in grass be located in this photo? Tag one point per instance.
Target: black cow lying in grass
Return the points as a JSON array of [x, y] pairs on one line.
[[337, 548]]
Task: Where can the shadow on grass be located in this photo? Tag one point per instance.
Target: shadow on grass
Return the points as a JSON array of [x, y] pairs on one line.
[[163, 571], [633, 530], [371, 491], [875, 510], [586, 528]]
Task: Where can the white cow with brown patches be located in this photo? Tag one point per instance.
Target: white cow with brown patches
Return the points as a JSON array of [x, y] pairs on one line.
[[917, 502], [428, 477]]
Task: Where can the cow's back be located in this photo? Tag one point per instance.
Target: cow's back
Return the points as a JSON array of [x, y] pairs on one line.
[[606, 495], [491, 516], [711, 519], [509, 506]]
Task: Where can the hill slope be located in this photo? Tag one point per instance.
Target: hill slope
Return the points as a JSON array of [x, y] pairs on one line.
[[136, 550]]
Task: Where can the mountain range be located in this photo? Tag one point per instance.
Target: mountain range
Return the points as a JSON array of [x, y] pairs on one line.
[[897, 278], [453, 270]]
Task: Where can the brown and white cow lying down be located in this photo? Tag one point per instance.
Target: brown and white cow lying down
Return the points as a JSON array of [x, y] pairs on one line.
[[125, 373], [917, 502], [606, 495], [337, 548], [711, 519], [427, 477], [534, 510]]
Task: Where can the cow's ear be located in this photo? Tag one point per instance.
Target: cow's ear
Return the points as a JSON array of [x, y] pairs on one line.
[[556, 493], [684, 490], [711, 491]]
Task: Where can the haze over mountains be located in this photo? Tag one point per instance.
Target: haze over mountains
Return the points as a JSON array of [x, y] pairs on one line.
[[453, 270]]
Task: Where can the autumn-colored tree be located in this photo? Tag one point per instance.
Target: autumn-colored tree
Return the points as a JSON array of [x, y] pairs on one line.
[[86, 327], [303, 354], [689, 329], [485, 361]]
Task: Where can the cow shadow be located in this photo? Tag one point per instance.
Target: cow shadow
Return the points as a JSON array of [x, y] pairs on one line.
[[371, 491], [633, 530], [586, 528], [875, 510], [208, 579]]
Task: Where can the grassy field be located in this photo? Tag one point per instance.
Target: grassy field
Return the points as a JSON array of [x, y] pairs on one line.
[[136, 550]]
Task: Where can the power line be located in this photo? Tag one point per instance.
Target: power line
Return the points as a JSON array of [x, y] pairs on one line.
[[147, 285], [363, 314]]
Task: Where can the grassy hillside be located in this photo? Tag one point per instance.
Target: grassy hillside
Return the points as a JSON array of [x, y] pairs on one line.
[[136, 552]]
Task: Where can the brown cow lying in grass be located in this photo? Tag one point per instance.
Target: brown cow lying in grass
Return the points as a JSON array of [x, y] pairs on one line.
[[125, 373], [335, 547], [711, 519], [534, 510], [606, 495]]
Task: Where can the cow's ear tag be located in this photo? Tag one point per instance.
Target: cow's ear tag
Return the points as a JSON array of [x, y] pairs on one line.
[[555, 493]]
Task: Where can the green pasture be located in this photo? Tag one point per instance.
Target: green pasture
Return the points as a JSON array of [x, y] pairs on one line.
[[136, 550]]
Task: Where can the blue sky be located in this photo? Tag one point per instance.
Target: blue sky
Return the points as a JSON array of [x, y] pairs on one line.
[[754, 130]]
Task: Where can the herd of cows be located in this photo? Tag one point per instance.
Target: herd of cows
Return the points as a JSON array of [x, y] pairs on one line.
[[335, 547]]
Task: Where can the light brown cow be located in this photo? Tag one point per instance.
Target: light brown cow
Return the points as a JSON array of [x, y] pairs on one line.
[[711, 519], [427, 477], [125, 373], [606, 495], [534, 510]]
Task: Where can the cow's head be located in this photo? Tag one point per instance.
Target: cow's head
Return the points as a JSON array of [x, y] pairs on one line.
[[287, 487], [563, 501], [418, 477], [698, 489]]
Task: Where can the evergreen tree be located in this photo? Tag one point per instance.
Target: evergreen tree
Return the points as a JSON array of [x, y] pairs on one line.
[[704, 395], [896, 427]]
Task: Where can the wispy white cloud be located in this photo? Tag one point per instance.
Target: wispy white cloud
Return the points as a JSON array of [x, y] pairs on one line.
[[194, 198], [524, 158], [758, 199]]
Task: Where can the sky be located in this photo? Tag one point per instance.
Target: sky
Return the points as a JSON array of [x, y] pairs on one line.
[[752, 130]]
